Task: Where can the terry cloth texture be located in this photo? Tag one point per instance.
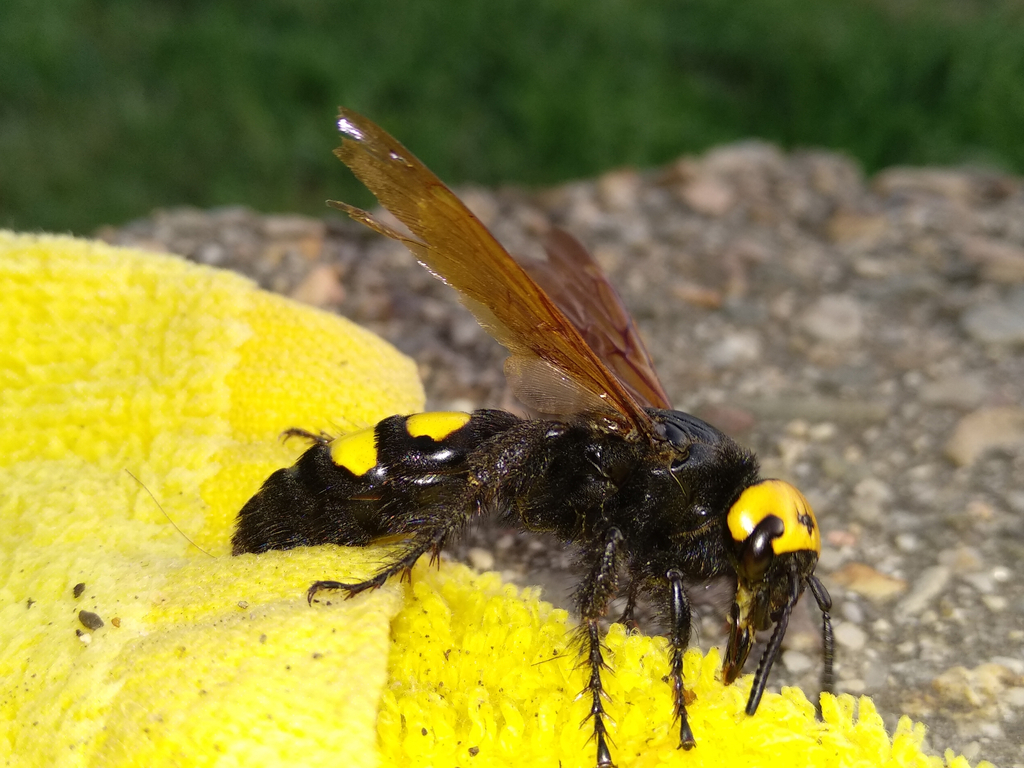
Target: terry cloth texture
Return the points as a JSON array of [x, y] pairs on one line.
[[115, 361]]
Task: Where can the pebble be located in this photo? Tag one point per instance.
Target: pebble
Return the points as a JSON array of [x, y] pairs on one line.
[[826, 430], [869, 582], [958, 391], [980, 581], [619, 190], [962, 559], [853, 686], [926, 588], [836, 319], [864, 230], [907, 542], [320, 288], [480, 558], [853, 612], [957, 186], [995, 603], [850, 636], [797, 662], [1000, 261], [985, 429], [1001, 322], [709, 195], [870, 496], [734, 349]]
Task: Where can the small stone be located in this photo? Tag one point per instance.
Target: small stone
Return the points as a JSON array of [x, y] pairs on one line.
[[1000, 322], [907, 542], [929, 585], [995, 603], [853, 612], [850, 636], [709, 195], [619, 190], [90, 620], [797, 662], [980, 581], [871, 495], [819, 433], [835, 319], [853, 227], [962, 559], [866, 581], [734, 349], [959, 391], [320, 288], [698, 295], [1015, 697], [853, 686], [303, 233], [1001, 261], [958, 186], [481, 559], [985, 429]]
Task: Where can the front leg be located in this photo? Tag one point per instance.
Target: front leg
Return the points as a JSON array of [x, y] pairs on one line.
[[679, 615], [592, 597]]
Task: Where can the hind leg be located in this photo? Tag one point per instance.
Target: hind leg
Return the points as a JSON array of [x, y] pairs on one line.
[[432, 541]]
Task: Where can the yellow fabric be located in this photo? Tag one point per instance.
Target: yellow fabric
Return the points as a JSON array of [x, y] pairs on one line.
[[115, 360]]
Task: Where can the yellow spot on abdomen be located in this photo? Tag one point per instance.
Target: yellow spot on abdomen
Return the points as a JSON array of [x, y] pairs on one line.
[[356, 452], [437, 425], [779, 498]]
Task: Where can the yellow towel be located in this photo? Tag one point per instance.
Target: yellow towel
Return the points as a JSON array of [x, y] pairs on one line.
[[116, 361]]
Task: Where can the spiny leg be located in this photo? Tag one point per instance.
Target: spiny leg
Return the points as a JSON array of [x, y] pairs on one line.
[[432, 542], [592, 599], [679, 616], [825, 605]]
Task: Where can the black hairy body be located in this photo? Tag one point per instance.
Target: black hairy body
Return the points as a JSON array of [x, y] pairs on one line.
[[652, 514]]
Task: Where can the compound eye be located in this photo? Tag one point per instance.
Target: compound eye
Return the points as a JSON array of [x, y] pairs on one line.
[[757, 552]]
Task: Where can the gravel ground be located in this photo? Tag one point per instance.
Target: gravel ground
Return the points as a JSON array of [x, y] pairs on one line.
[[866, 337]]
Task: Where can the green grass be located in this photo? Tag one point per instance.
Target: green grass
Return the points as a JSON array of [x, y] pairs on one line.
[[109, 109]]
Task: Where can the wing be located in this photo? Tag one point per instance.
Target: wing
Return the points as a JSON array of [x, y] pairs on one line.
[[574, 281], [452, 243]]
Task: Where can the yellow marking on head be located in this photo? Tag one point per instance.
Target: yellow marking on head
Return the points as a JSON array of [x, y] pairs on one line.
[[779, 498], [437, 425], [356, 452]]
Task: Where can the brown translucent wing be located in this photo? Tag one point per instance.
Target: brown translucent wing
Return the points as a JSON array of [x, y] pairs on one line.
[[452, 243], [575, 282]]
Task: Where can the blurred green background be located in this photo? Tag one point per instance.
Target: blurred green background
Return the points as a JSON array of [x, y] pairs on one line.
[[111, 108]]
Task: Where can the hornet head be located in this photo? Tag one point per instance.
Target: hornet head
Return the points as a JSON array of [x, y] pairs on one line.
[[774, 543]]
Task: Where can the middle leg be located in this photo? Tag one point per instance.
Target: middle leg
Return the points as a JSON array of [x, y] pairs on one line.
[[679, 616]]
